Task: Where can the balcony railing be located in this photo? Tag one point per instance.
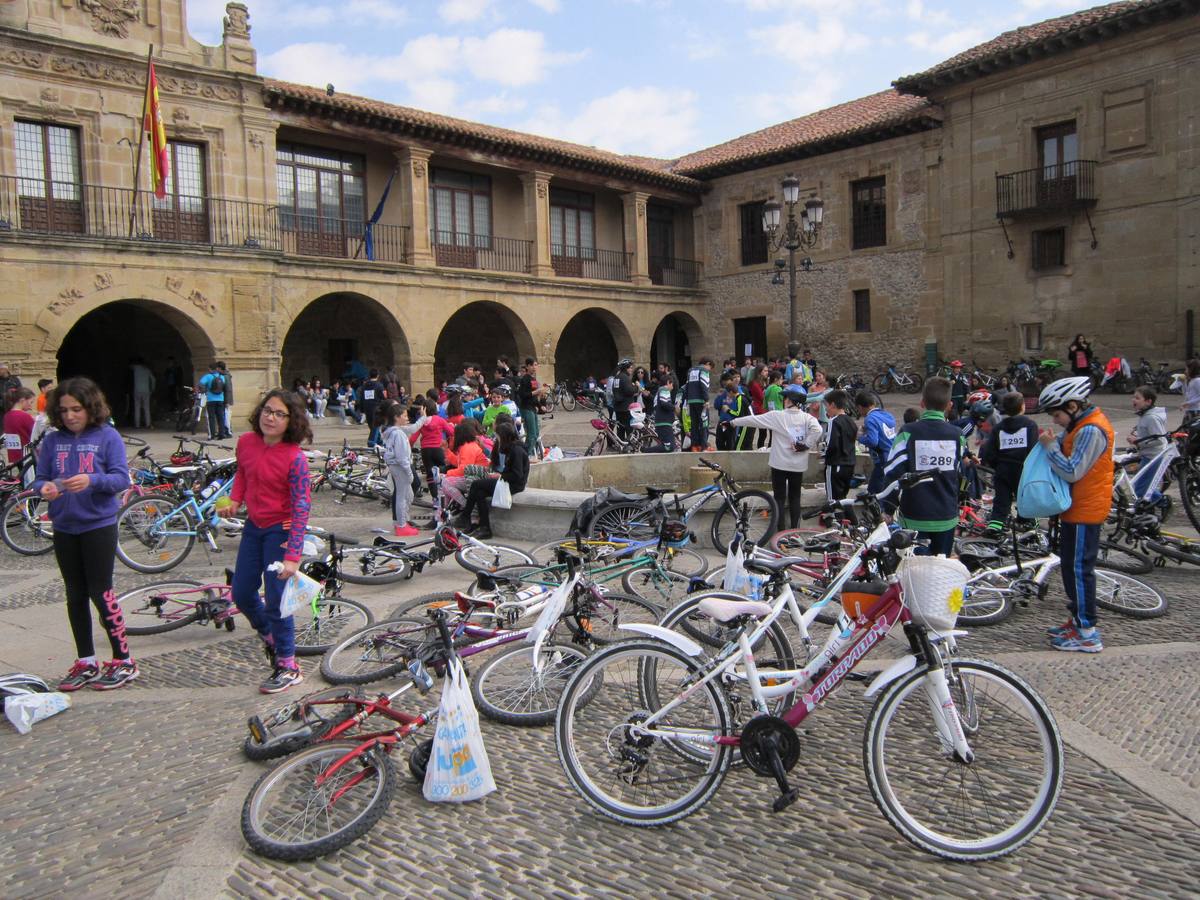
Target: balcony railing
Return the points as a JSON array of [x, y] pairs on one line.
[[476, 251], [331, 237], [587, 262], [672, 271], [1048, 189]]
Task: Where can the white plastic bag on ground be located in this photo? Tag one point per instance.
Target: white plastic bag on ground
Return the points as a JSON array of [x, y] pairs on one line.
[[458, 768], [24, 710], [501, 495]]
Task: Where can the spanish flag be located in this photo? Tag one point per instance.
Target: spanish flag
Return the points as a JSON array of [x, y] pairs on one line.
[[159, 158]]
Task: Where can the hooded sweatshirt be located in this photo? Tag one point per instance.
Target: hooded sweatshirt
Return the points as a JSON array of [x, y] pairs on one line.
[[96, 452]]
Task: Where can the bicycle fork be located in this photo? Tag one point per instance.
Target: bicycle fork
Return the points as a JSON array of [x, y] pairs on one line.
[[945, 715]]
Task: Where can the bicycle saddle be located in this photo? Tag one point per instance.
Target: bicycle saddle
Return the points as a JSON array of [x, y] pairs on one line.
[[773, 566], [728, 610], [655, 492], [622, 496]]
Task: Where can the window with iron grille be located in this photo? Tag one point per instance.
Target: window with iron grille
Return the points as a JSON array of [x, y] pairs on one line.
[[50, 182], [754, 239], [572, 224], [320, 190], [862, 310], [461, 209], [1049, 248], [869, 212]]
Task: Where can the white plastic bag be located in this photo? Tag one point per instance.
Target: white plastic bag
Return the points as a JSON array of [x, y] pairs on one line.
[[458, 769], [737, 580], [552, 611], [24, 710], [299, 592], [554, 454], [501, 495]]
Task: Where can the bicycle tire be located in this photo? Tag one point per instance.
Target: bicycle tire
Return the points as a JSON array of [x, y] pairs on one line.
[[1019, 721], [376, 652], [568, 402], [635, 521], [759, 527], [131, 611], [23, 528], [1129, 596], [381, 566], [299, 724], [1189, 492], [881, 383], [987, 599], [524, 697], [686, 561], [368, 800], [335, 617], [596, 447], [800, 541], [659, 586], [916, 379], [137, 523], [1123, 558], [604, 622], [490, 558], [602, 699]]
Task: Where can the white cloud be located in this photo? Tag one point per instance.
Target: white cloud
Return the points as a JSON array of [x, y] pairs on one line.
[[319, 64], [947, 44], [799, 41], [550, 6], [429, 54], [485, 109], [205, 16], [372, 12], [699, 47], [434, 94], [512, 57], [652, 121], [460, 11], [821, 90]]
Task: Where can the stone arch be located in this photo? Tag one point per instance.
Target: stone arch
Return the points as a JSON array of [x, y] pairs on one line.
[[340, 326], [103, 342], [590, 344], [479, 332], [678, 341]]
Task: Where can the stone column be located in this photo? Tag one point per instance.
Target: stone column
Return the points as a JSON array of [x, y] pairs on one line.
[[414, 185], [537, 222], [420, 375], [637, 242]]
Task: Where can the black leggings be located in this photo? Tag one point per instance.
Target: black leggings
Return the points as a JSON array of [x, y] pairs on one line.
[[86, 563], [786, 487], [430, 457], [479, 496]]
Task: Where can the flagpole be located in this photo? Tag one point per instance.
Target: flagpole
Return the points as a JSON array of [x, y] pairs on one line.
[[137, 166]]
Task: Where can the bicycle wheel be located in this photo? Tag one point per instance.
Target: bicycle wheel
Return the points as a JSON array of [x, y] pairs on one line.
[[761, 515], [606, 616], [635, 521], [509, 689], [372, 565], [662, 587], [301, 809], [334, 617], [567, 401], [299, 724], [686, 561], [25, 526], [637, 776], [596, 447], [152, 536], [806, 542], [1123, 558], [967, 811], [162, 606], [1129, 596], [490, 557], [915, 380], [882, 384], [374, 652], [987, 599], [1189, 491]]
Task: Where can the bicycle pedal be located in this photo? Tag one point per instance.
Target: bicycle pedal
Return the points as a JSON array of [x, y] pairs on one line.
[[785, 800]]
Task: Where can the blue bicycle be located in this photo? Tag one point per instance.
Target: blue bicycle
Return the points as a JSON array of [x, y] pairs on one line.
[[157, 532]]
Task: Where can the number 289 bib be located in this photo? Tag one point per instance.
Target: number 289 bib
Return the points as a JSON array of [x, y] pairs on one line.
[[941, 455]]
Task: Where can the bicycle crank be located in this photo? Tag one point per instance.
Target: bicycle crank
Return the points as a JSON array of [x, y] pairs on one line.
[[771, 748]]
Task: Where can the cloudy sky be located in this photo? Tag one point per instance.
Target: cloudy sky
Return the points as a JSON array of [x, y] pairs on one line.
[[653, 77]]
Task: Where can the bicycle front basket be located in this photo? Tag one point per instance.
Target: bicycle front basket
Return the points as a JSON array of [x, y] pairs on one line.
[[933, 589]]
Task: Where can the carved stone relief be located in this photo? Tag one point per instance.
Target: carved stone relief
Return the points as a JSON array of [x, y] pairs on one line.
[[237, 21], [112, 16]]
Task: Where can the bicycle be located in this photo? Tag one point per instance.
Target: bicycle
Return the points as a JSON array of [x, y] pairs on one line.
[[640, 437], [167, 605], [1140, 505], [641, 519], [25, 524], [189, 416], [893, 379], [852, 384], [646, 730]]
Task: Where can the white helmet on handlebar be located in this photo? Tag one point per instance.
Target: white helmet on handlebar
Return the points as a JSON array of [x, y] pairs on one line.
[[1059, 393]]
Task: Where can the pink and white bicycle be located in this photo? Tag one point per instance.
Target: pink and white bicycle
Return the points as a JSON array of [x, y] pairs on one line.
[[961, 755]]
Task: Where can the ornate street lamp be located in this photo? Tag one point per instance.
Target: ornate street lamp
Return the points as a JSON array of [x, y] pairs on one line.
[[797, 233]]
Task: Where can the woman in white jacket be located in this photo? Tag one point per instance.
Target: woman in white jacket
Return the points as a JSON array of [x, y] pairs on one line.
[[793, 433]]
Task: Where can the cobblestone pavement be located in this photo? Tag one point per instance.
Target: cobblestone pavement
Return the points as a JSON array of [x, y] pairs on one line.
[[139, 792]]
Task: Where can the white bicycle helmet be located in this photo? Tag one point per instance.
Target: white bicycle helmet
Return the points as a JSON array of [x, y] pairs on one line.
[[1058, 393], [21, 683]]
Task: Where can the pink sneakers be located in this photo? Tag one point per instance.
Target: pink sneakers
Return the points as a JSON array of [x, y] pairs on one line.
[[406, 531]]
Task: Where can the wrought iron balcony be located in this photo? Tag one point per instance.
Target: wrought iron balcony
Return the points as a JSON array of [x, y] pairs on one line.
[[480, 251], [1050, 189], [672, 271], [588, 262]]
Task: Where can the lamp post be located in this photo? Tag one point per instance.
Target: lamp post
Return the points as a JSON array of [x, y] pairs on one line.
[[797, 233]]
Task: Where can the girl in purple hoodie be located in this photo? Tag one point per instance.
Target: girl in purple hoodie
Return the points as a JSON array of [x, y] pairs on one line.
[[81, 471]]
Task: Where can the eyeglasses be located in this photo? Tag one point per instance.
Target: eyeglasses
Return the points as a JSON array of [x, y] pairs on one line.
[[269, 413]]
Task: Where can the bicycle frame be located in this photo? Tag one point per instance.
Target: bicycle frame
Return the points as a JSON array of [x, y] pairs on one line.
[[198, 511]]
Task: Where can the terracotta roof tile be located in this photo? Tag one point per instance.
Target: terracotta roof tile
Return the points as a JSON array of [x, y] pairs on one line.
[[504, 139], [1033, 37], [855, 118]]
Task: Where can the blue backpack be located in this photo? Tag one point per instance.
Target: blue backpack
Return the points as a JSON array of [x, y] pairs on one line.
[[1042, 492]]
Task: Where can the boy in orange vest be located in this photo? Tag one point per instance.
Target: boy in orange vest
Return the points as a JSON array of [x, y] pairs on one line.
[[1082, 455]]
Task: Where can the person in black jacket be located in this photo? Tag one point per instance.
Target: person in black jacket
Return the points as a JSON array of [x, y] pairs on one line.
[[510, 462], [624, 392], [839, 446], [527, 402], [1005, 450]]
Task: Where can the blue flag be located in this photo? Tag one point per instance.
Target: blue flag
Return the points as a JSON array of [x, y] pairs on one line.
[[369, 234]]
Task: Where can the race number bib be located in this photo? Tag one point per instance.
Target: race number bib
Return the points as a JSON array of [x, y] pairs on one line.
[[1018, 440], [12, 442], [368, 395], [936, 455]]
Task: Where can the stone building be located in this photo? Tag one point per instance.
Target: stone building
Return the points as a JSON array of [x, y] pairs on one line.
[[1040, 184]]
